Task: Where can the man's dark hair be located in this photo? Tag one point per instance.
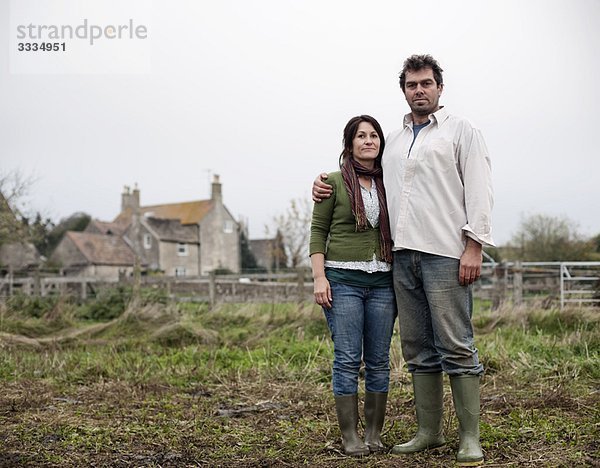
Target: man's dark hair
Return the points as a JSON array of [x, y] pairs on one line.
[[419, 62]]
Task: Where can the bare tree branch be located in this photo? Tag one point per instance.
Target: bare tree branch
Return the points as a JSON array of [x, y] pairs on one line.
[[14, 186], [294, 227]]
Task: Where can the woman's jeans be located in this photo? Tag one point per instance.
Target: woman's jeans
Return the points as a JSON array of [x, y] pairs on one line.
[[434, 312], [361, 322]]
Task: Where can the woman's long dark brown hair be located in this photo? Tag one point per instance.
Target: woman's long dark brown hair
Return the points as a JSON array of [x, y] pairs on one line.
[[351, 169]]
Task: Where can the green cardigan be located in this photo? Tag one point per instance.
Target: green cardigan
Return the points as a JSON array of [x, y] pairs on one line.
[[333, 228]]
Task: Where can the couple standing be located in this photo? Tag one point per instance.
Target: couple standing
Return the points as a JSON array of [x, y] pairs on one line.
[[432, 219]]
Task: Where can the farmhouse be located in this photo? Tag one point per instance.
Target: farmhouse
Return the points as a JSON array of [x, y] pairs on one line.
[[103, 256], [166, 245], [180, 239]]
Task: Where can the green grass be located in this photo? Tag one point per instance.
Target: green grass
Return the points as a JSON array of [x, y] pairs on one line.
[[249, 385]]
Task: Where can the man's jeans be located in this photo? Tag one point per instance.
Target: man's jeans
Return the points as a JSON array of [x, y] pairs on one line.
[[361, 322], [434, 312]]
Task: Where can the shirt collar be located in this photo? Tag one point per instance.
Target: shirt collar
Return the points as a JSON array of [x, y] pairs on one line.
[[438, 116]]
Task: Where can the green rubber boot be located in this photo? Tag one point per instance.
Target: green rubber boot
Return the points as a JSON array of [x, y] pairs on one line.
[[375, 404], [429, 405], [346, 407], [465, 393]]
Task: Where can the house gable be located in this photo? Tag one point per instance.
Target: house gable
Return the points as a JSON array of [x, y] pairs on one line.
[[19, 256], [172, 230], [100, 249], [67, 253]]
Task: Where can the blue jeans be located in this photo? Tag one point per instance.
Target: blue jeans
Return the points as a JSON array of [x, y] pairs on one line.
[[361, 322], [434, 312]]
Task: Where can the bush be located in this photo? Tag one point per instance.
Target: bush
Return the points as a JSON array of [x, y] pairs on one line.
[[109, 304], [154, 296], [32, 306]]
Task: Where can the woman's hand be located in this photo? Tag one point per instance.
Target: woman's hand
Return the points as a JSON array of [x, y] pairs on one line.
[[323, 292]]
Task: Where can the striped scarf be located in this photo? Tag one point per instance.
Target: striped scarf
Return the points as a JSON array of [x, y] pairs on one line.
[[351, 169]]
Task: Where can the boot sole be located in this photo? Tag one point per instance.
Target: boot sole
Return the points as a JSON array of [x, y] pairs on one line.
[[357, 454], [429, 447], [470, 462]]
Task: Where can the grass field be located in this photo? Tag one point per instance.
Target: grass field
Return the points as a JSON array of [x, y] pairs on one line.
[[249, 385]]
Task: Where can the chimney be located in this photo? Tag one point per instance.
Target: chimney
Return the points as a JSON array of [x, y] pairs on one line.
[[130, 200], [216, 194]]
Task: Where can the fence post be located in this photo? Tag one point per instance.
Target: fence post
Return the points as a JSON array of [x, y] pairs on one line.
[[518, 283], [36, 284], [212, 288], [562, 286], [10, 281], [137, 280], [84, 290], [300, 272], [499, 281]]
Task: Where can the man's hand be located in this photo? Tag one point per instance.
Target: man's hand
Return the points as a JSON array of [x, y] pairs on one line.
[[320, 189], [470, 263], [323, 292]]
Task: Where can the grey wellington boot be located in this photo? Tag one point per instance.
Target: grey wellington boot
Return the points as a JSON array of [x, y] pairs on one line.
[[429, 405], [465, 393], [375, 403], [346, 407]]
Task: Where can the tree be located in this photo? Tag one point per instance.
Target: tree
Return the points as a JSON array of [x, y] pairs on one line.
[[294, 227], [38, 232], [18, 224], [13, 188], [17, 252], [248, 259], [596, 243], [595, 256], [544, 238], [277, 252], [76, 222]]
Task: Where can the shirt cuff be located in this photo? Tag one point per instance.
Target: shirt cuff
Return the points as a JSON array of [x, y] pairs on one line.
[[483, 239]]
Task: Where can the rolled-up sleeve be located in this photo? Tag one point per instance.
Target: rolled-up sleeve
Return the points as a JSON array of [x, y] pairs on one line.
[[477, 179]]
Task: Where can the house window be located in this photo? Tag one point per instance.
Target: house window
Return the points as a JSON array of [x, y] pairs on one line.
[[179, 271], [147, 241], [182, 250], [228, 227]]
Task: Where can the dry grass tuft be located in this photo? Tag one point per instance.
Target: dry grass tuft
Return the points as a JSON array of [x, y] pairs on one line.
[[182, 334], [9, 340]]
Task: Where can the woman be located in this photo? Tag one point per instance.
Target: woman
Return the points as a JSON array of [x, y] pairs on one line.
[[350, 249]]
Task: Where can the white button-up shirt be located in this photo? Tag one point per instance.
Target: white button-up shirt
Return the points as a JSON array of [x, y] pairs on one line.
[[439, 191]]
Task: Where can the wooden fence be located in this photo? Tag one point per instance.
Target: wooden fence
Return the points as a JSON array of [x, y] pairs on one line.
[[551, 283]]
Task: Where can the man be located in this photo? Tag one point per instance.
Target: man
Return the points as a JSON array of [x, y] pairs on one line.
[[437, 175]]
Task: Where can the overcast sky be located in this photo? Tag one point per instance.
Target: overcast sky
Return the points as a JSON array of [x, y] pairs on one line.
[[258, 91]]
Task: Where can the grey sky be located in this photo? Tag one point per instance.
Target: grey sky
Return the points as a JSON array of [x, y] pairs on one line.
[[259, 91]]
